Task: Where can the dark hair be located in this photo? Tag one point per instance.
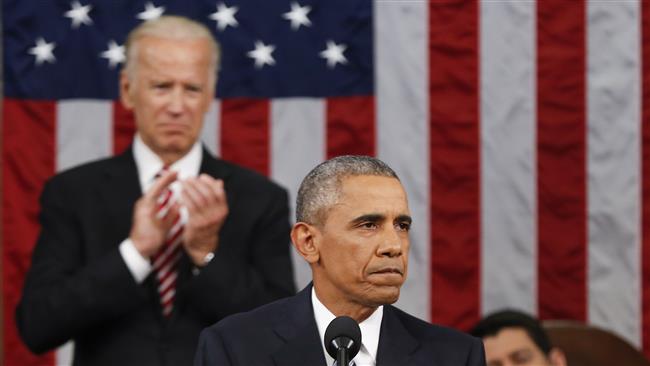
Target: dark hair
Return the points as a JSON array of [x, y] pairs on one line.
[[495, 322], [321, 187]]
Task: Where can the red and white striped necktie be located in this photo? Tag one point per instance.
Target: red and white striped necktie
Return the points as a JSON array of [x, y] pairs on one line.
[[165, 261]]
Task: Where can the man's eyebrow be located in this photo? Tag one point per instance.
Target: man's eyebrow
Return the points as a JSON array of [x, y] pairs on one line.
[[380, 217], [404, 218], [367, 218]]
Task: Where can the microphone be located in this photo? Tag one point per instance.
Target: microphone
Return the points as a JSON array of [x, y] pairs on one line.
[[343, 339]]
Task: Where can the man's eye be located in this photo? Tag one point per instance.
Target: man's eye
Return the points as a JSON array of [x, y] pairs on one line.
[[404, 226], [521, 358], [369, 225]]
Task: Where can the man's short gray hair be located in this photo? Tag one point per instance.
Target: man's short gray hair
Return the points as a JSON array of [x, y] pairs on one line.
[[320, 189], [170, 27]]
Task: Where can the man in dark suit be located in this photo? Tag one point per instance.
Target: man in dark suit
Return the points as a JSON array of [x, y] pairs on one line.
[[352, 227], [139, 252]]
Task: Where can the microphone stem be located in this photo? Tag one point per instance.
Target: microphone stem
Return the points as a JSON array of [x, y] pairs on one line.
[[342, 357]]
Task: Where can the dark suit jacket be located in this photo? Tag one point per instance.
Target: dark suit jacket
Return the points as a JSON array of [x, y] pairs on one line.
[[79, 287], [285, 333]]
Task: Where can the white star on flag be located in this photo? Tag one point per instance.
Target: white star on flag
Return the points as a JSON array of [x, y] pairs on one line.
[[225, 16], [114, 54], [334, 54], [151, 12], [298, 15], [262, 54], [79, 14], [43, 51]]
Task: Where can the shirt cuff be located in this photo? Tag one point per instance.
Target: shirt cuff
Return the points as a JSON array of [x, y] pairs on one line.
[[139, 266]]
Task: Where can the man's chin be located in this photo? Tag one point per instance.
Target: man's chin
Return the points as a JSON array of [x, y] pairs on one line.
[[384, 295], [175, 146]]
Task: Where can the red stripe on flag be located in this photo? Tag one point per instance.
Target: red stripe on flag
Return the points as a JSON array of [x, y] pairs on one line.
[[28, 150], [350, 126], [561, 159], [245, 133], [123, 127], [645, 194], [455, 162]]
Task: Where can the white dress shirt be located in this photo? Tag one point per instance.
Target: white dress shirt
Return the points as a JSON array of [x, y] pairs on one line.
[[370, 329], [148, 165]]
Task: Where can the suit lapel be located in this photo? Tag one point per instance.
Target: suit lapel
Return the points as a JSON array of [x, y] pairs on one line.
[[303, 344], [214, 167], [396, 344], [297, 327], [120, 191]]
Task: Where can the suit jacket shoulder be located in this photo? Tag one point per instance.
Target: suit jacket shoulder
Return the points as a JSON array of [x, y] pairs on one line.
[[96, 171], [408, 340], [283, 332], [428, 332]]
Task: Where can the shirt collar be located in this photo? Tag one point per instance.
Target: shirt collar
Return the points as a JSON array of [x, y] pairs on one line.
[[370, 328], [149, 164]]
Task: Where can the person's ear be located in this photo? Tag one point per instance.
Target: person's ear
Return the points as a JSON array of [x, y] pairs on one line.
[[305, 239], [557, 357], [125, 91]]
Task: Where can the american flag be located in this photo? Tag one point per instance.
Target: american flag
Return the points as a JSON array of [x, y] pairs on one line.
[[519, 129]]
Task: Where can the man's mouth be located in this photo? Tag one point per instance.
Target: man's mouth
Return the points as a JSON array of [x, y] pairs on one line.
[[389, 270]]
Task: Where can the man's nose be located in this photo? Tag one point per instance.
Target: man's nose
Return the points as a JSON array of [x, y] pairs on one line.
[[176, 101], [391, 243]]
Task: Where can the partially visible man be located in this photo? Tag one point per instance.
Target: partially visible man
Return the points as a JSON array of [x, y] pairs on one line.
[[139, 252], [514, 338], [352, 227]]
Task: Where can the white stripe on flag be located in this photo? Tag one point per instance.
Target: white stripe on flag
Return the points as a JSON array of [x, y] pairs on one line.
[[297, 146], [210, 135], [401, 82], [84, 132], [614, 202], [508, 168]]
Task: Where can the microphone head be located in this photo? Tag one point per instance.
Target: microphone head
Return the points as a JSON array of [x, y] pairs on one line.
[[343, 331]]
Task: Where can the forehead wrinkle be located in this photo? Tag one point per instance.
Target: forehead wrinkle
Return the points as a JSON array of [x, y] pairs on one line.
[[153, 57]]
